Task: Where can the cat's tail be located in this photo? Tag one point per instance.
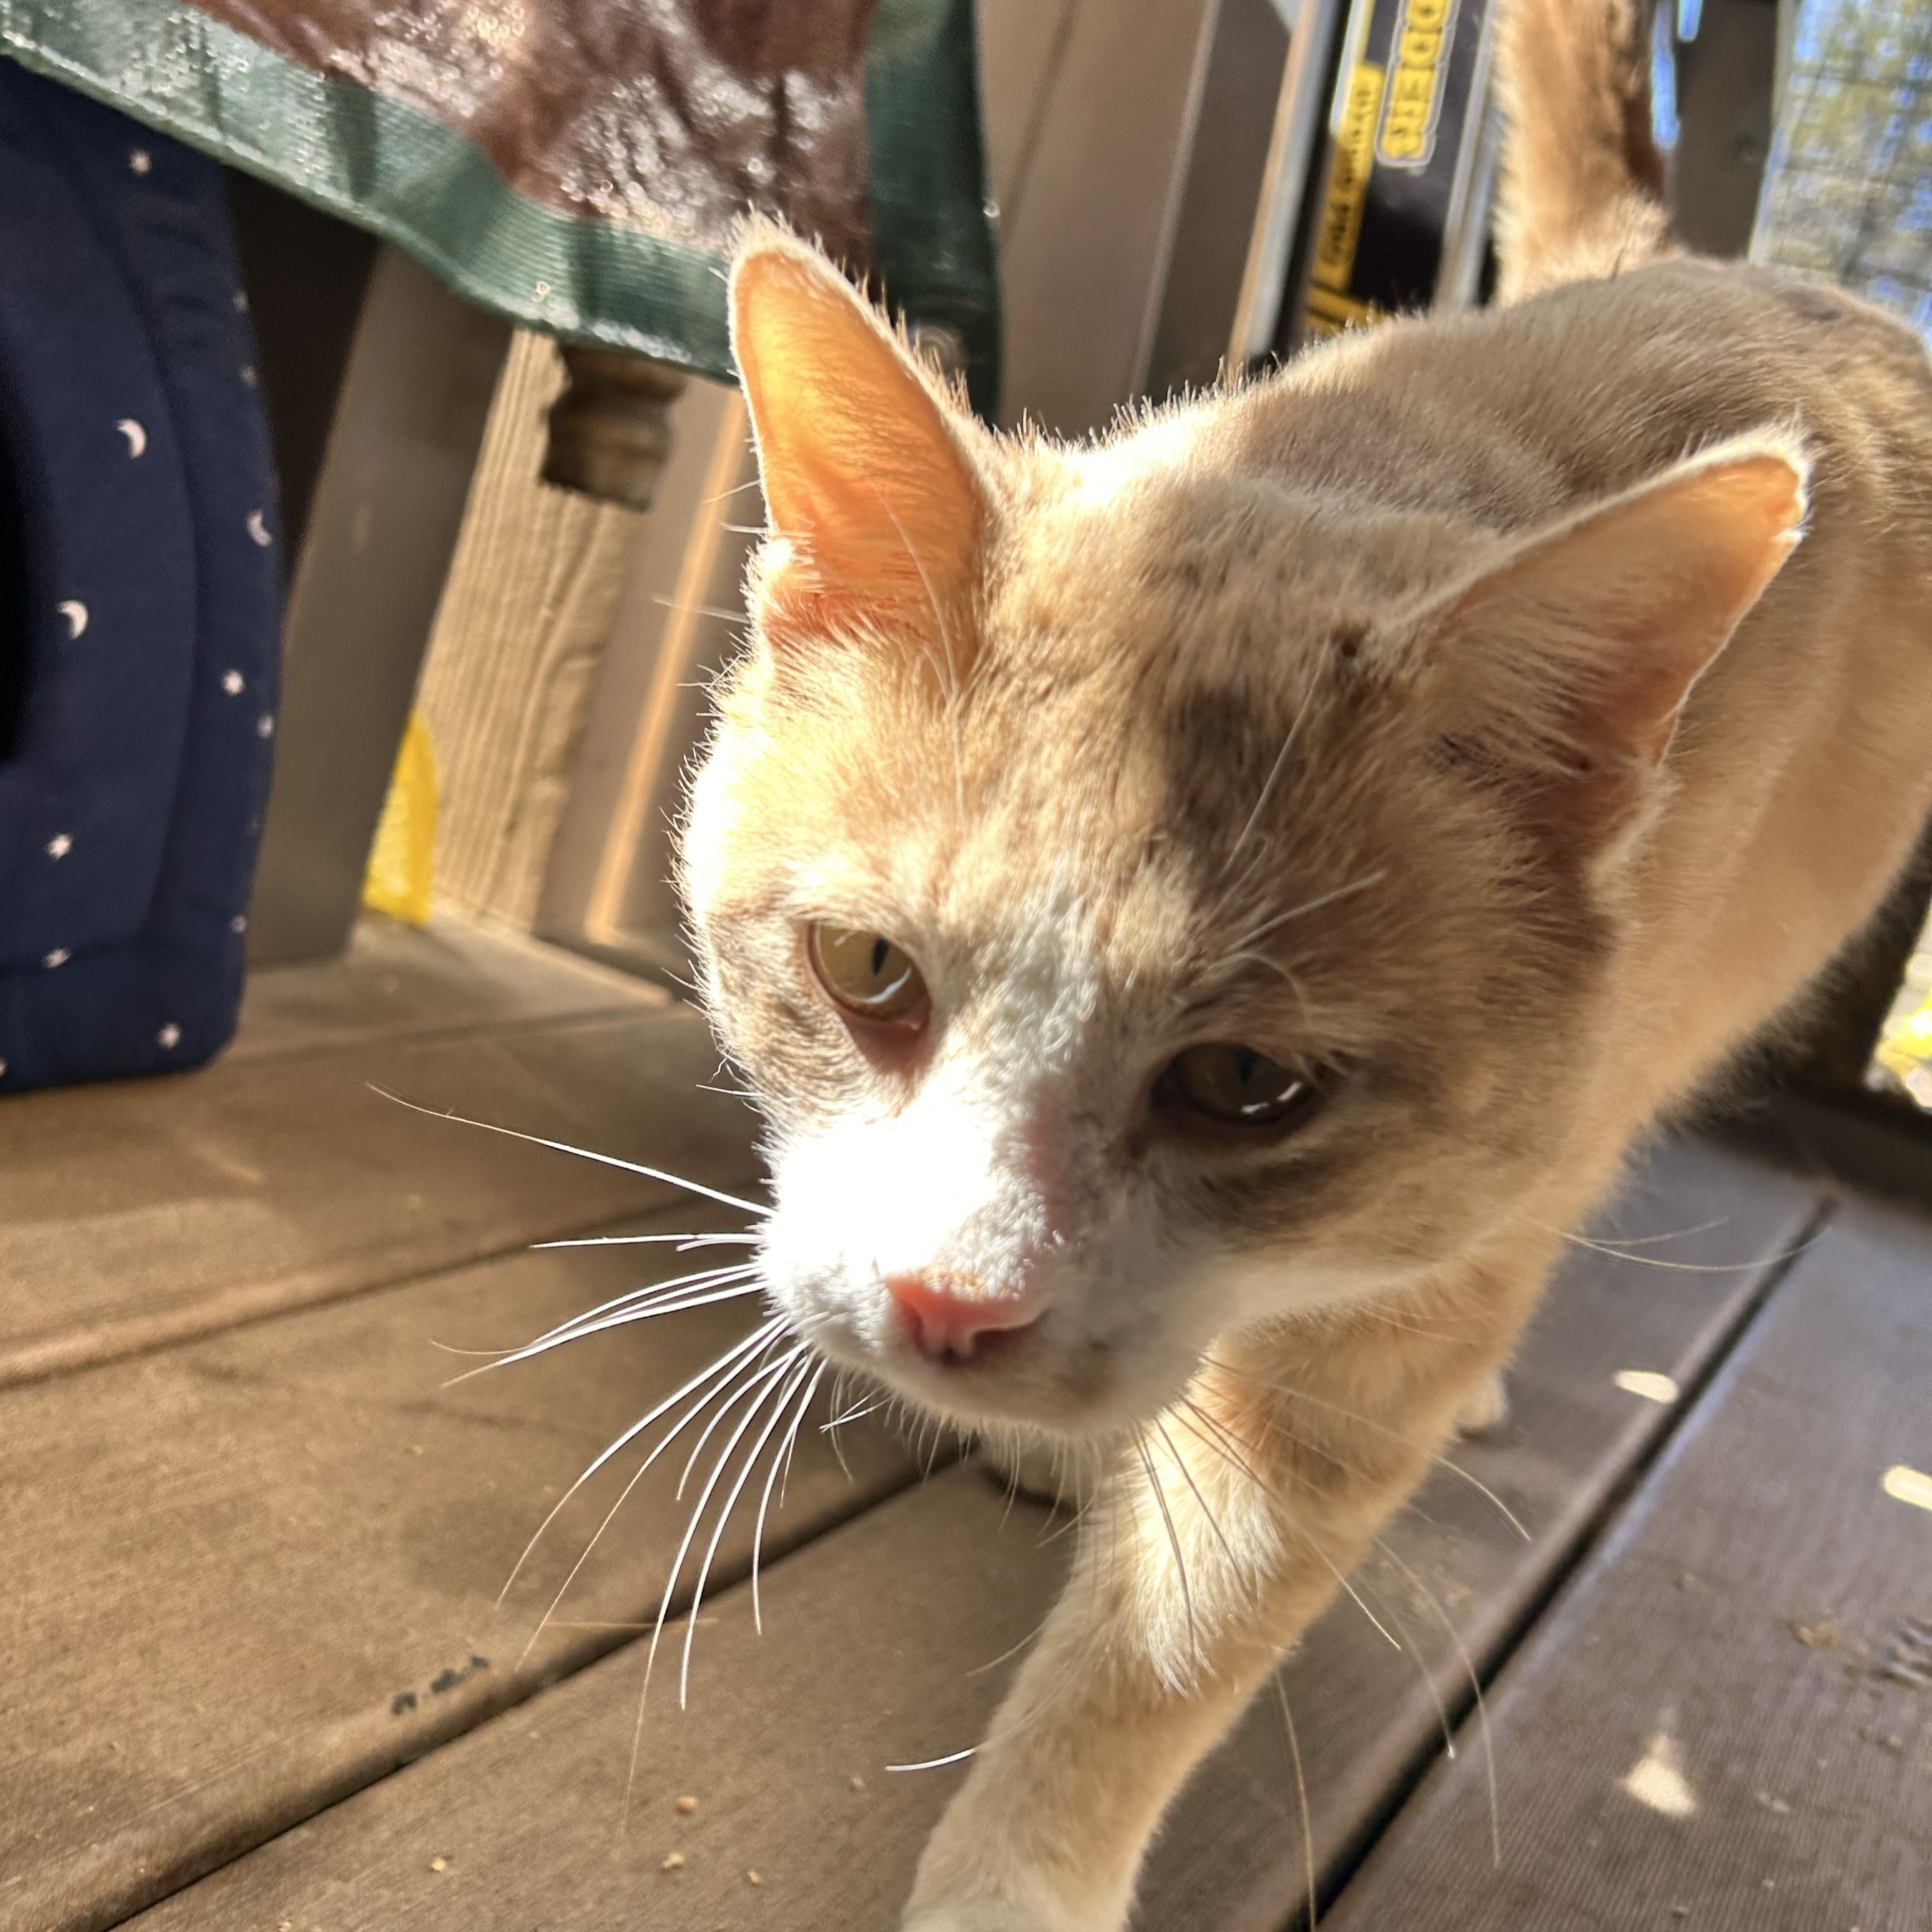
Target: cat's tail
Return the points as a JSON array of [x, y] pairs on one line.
[[1582, 182]]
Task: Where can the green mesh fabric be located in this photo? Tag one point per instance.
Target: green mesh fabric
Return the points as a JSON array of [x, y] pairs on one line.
[[932, 237], [383, 163]]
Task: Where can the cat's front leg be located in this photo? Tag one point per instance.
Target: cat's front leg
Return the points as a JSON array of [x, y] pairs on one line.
[[1224, 1531], [1104, 1722]]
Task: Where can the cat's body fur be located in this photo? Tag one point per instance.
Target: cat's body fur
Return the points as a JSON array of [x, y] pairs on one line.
[[1329, 716]]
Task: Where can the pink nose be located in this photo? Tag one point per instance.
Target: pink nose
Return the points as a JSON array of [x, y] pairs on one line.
[[950, 1318]]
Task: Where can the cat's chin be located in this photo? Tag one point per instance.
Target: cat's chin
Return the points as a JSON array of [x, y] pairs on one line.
[[983, 1410], [1067, 1401]]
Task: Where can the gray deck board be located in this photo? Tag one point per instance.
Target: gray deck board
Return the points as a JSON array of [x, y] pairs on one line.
[[139, 1212], [1726, 1723], [246, 1576], [397, 981], [883, 1644]]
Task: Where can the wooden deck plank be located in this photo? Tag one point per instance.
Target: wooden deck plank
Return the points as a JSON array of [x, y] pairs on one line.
[[139, 1213], [1726, 1723], [398, 981], [248, 1576], [877, 1645]]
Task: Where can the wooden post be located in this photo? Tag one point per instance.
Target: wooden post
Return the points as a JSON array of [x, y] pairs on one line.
[[382, 528], [610, 430]]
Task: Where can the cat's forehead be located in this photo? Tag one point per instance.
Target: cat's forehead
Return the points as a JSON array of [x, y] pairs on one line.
[[1077, 870], [1170, 556], [1150, 668]]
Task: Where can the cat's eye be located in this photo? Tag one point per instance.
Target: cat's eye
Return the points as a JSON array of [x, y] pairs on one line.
[[1239, 1087], [870, 976]]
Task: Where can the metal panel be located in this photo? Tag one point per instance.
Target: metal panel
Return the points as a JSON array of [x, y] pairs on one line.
[[1092, 212], [1279, 239], [1225, 167], [608, 891]]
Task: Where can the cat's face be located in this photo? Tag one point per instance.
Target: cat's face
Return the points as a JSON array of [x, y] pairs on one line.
[[1127, 934], [1111, 856]]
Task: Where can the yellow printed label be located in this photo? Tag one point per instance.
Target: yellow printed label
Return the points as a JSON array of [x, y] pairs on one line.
[[402, 861], [1341, 230], [1418, 62], [1329, 313]]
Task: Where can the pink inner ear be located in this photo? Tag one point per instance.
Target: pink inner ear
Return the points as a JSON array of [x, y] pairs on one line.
[[1616, 615], [1715, 542], [1569, 661], [863, 470]]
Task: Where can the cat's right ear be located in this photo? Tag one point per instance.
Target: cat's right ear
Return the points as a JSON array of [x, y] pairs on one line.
[[875, 513], [1571, 657]]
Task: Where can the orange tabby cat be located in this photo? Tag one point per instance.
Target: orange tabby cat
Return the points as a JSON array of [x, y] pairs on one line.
[[1204, 909]]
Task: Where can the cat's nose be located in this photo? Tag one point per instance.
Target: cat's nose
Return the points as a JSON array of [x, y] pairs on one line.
[[950, 1319]]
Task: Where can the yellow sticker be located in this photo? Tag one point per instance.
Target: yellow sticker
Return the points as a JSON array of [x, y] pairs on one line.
[[402, 861], [1341, 229], [1418, 64]]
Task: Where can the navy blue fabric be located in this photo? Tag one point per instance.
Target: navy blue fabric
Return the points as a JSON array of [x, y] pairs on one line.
[[131, 793]]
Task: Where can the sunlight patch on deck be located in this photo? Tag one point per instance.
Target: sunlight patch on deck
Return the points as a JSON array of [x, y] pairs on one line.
[[1647, 1383], [1907, 1485], [1657, 1779]]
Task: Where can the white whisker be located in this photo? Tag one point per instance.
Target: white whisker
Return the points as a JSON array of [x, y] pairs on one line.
[[1475, 1685], [684, 1550], [1274, 772], [702, 611], [698, 1406], [718, 1394], [1622, 1253], [802, 1373], [1174, 1543], [582, 1154], [1287, 1516], [632, 1310], [1429, 1684], [781, 1457], [937, 1763], [638, 1241], [1301, 1793], [1012, 1650], [654, 1290], [1187, 1476], [717, 1366], [1475, 1483], [1307, 906], [765, 1372], [864, 1409], [791, 1445], [695, 1294]]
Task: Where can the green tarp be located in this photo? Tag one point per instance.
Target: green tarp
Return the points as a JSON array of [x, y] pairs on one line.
[[576, 165]]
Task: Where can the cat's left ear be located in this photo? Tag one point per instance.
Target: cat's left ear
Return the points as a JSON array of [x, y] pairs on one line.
[[1574, 653], [875, 510]]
